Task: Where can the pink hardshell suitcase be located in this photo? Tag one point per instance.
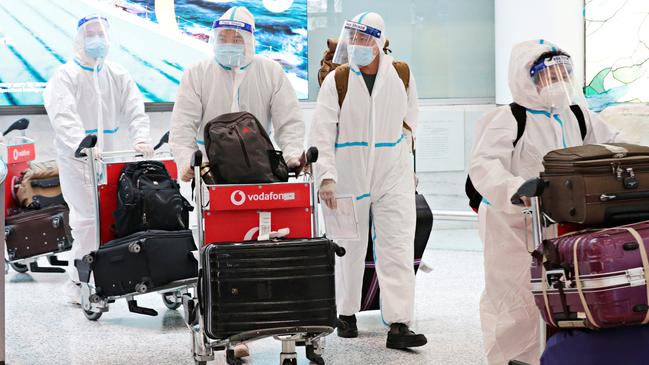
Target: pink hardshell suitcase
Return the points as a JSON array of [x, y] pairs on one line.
[[594, 279]]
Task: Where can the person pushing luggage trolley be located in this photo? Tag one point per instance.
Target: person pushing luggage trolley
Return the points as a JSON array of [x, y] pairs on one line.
[[549, 112], [90, 95]]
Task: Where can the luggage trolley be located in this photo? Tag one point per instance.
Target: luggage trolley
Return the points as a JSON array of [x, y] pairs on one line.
[[534, 216], [106, 182], [20, 152], [242, 213]]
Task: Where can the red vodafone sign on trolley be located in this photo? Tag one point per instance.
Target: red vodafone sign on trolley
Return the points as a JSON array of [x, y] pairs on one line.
[[233, 213], [21, 153]]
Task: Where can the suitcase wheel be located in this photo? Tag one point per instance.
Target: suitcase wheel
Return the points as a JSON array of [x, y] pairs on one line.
[[92, 316], [134, 248], [88, 259], [339, 250], [289, 362], [141, 288]]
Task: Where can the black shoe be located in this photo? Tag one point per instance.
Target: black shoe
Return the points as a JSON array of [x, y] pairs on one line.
[[347, 327], [401, 337]]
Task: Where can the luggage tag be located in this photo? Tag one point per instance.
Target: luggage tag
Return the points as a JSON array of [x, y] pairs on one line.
[[264, 226]]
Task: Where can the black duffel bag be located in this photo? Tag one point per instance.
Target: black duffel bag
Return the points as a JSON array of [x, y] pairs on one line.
[[149, 199]]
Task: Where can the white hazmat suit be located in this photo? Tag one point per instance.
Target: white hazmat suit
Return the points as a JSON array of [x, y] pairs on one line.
[[366, 151], [509, 317], [90, 96], [248, 82]]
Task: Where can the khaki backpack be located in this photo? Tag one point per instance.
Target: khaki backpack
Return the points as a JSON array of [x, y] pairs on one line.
[[342, 72], [39, 186]]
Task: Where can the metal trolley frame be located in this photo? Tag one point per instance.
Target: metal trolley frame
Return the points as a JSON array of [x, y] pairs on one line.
[[92, 303], [20, 151], [204, 347]]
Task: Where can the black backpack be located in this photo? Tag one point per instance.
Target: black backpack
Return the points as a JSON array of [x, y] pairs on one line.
[[240, 151], [149, 199], [520, 114]]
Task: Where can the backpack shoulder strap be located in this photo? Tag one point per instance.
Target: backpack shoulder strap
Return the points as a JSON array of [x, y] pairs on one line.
[[342, 79], [403, 70], [520, 114], [579, 114]]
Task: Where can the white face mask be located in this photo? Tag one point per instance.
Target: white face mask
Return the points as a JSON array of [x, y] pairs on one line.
[[361, 55], [557, 96]]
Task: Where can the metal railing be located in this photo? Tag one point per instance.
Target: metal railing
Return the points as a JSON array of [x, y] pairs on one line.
[[455, 215]]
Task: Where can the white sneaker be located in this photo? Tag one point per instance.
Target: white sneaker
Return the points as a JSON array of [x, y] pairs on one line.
[[72, 292]]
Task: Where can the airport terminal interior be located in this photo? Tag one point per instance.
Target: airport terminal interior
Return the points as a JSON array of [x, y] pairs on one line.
[[163, 67]]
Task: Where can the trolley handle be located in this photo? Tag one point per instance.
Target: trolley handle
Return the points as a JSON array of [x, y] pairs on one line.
[[197, 159], [532, 188], [309, 157], [19, 125], [89, 141], [163, 140]]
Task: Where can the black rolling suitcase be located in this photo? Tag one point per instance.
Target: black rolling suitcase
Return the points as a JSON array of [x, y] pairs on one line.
[[371, 292], [267, 285], [142, 262]]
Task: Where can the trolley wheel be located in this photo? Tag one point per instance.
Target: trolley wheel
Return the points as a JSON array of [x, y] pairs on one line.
[[19, 267], [170, 301], [141, 288], [92, 316], [312, 356], [134, 248], [289, 362]]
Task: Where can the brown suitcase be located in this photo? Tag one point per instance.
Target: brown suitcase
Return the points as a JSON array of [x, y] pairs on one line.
[[597, 185], [38, 232]]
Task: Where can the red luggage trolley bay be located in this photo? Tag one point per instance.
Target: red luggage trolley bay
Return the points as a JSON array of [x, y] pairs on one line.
[[20, 152], [233, 211], [111, 168]]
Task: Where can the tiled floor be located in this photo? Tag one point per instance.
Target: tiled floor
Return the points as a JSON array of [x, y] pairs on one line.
[[42, 329]]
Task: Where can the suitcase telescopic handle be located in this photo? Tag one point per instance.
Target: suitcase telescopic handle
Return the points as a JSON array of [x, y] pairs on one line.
[[89, 141]]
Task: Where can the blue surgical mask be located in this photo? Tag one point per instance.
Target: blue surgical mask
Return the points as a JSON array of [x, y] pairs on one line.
[[96, 47], [230, 55], [361, 55]]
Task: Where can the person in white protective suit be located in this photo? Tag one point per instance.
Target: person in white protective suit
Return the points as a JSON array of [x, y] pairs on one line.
[[365, 151], [89, 95], [541, 80], [235, 79]]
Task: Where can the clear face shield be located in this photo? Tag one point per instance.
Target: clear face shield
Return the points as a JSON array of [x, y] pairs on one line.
[[358, 44], [555, 82], [93, 38], [234, 43]]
